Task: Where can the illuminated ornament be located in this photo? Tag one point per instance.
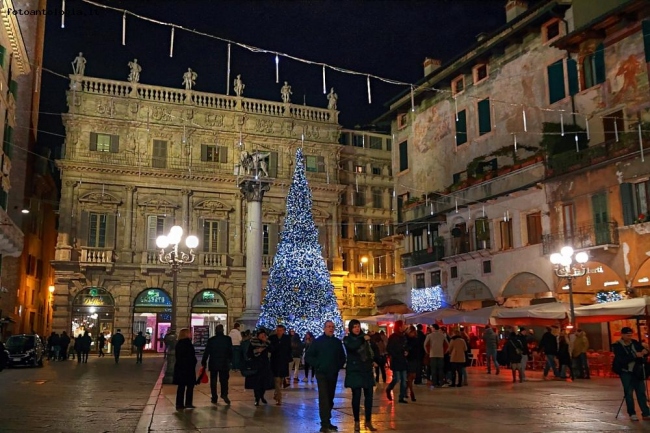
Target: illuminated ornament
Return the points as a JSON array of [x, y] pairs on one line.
[[426, 299], [605, 296], [93, 292], [299, 293]]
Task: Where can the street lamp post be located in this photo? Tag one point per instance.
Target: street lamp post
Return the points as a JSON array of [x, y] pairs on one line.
[[566, 269], [175, 259]]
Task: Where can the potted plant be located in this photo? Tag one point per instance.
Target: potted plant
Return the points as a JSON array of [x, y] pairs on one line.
[[510, 151]]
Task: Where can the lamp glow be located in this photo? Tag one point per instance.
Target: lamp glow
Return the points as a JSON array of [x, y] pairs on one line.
[[582, 257], [175, 235], [565, 261], [556, 258], [162, 241], [51, 289], [364, 260], [566, 251], [192, 242]]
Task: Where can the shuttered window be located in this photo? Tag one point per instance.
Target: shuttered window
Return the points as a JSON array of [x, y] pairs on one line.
[[599, 64], [7, 142], [215, 236], [627, 201], [315, 164], [270, 239], [646, 39], [104, 142], [97, 230], [159, 156], [13, 89], [155, 227], [506, 235], [534, 227], [214, 153], [3, 52], [572, 74], [461, 128], [403, 156], [555, 74], [484, 121]]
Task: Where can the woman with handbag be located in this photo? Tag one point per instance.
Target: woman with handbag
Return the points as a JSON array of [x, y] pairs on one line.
[[514, 352], [258, 364], [185, 370], [359, 372], [629, 360]]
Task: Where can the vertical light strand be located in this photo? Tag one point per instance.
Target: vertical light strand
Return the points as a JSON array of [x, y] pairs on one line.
[[456, 108], [63, 14], [577, 147], [562, 124], [277, 69], [38, 78], [171, 45], [587, 126], [124, 28], [483, 211], [456, 205], [356, 181], [431, 208], [616, 130], [429, 229], [412, 100], [515, 135], [324, 83], [494, 118], [641, 143], [228, 73], [368, 85], [469, 214], [523, 112]]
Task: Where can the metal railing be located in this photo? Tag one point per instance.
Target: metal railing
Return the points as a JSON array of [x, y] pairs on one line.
[[582, 237]]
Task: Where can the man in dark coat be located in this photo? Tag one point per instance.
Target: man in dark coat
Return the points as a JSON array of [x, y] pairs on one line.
[[420, 354], [64, 342], [629, 359], [217, 356], [139, 342], [327, 357], [117, 340], [280, 359], [549, 344], [396, 349]]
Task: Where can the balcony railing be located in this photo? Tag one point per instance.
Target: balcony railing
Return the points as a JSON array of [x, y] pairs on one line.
[[422, 257], [214, 260], [584, 237], [267, 261], [512, 181], [450, 247], [97, 255]]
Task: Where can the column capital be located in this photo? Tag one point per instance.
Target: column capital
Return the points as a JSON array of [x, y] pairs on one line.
[[253, 190], [130, 188], [187, 192], [71, 183]]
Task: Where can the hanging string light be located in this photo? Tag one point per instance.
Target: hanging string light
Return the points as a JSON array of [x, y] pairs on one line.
[[616, 130], [562, 124], [124, 28], [587, 126], [63, 14], [277, 69], [324, 85], [228, 73], [412, 101], [171, 45], [523, 112], [515, 135], [456, 108], [577, 146], [368, 84], [641, 143]]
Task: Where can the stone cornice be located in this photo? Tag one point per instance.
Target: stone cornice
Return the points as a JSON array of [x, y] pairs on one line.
[[10, 23]]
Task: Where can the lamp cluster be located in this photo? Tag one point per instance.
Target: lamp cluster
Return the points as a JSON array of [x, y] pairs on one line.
[[564, 266], [176, 257]]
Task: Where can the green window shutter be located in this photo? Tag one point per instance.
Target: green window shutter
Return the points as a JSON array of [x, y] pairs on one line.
[[7, 142], [110, 231], [555, 74], [3, 198], [403, 156], [93, 141], [3, 52], [115, 143], [204, 152], [223, 237], [82, 234], [273, 164], [461, 128], [646, 39], [223, 154], [627, 201], [572, 73], [13, 88], [599, 61], [484, 121]]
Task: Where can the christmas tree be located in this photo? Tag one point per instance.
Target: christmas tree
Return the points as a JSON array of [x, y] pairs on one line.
[[299, 293]]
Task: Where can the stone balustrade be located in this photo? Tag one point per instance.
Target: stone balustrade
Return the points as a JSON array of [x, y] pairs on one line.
[[97, 255], [267, 261], [146, 92], [213, 260]]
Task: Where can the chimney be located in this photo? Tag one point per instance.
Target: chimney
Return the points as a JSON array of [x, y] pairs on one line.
[[430, 65], [514, 8]]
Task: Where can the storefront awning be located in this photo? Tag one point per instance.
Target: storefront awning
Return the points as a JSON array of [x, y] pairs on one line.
[[524, 283], [474, 290], [482, 316], [642, 277], [608, 311]]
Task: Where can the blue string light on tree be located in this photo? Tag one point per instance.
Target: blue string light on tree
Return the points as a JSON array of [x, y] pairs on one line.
[[299, 293], [608, 296], [426, 299]]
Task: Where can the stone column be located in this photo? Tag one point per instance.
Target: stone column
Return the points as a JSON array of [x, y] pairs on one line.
[[128, 225], [238, 234], [253, 190], [185, 216]]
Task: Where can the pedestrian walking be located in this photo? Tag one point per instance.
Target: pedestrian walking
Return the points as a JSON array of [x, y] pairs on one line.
[[629, 359], [490, 339], [523, 339], [117, 340], [436, 345], [549, 345], [327, 357], [139, 342], [579, 354], [185, 370], [257, 356], [53, 347], [564, 358], [397, 351], [101, 342], [296, 355], [309, 339], [280, 359], [420, 354], [514, 353], [380, 366], [236, 337], [72, 347], [84, 345], [359, 372], [217, 357], [413, 359], [457, 350], [64, 342]]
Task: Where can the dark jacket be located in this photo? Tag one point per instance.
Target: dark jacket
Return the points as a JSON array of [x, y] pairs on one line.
[[218, 353], [117, 340], [326, 355], [524, 344], [625, 355], [358, 370], [514, 349], [185, 366], [261, 363], [139, 341], [64, 341], [280, 355], [396, 347], [84, 343], [101, 341], [548, 344], [296, 346], [563, 354]]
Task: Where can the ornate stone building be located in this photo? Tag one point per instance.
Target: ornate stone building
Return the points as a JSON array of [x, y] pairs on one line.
[[139, 159]]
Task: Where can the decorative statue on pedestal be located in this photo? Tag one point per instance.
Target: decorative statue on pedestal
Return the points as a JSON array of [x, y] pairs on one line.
[[79, 65], [239, 86], [286, 93], [332, 98], [189, 79], [254, 163], [134, 74]]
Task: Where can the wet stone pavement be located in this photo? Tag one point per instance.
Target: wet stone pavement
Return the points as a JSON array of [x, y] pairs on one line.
[[102, 397], [99, 396]]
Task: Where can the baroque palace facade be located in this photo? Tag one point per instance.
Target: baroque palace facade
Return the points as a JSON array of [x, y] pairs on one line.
[[139, 159]]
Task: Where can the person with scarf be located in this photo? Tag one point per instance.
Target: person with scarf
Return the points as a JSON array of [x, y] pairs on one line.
[[359, 371], [258, 355]]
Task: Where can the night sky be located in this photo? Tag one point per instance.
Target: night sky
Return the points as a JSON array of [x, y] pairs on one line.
[[384, 38]]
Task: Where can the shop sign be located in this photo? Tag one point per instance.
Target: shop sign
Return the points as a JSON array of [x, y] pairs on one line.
[[153, 298], [209, 299], [94, 297]]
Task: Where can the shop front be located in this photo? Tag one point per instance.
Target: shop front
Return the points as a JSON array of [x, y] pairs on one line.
[[523, 288], [152, 315], [93, 310], [209, 309]]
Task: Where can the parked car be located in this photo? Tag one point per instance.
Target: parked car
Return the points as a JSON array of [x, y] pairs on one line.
[[25, 349]]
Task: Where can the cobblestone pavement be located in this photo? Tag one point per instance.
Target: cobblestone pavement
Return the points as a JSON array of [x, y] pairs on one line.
[[99, 396], [490, 404]]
